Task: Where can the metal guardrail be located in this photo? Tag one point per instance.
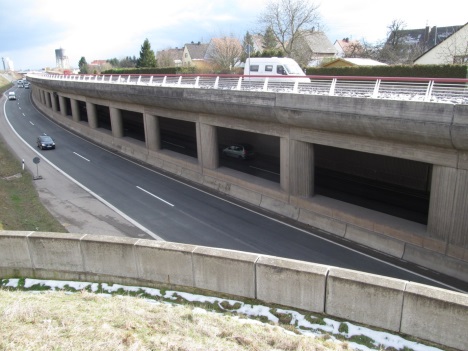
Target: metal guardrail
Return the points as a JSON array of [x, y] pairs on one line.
[[442, 90]]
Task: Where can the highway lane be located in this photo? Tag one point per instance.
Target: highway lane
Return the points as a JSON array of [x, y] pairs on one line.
[[178, 212]]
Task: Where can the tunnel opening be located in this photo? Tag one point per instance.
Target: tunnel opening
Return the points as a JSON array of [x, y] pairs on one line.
[[103, 117], [68, 108], [178, 136], [263, 163], [390, 185], [133, 125], [82, 111]]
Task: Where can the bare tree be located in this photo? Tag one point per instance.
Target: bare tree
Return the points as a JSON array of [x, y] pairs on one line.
[[224, 52], [395, 32], [399, 49], [287, 19]]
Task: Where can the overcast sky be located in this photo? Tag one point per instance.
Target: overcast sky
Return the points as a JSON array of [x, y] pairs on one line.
[[31, 30]]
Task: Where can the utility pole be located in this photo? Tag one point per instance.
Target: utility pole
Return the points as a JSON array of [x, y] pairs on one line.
[[3, 60]]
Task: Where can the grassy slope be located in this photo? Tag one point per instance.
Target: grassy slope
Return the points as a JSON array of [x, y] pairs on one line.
[[88, 321], [20, 207]]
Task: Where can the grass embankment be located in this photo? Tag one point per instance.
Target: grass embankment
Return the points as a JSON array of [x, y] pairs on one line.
[[20, 207], [88, 321]]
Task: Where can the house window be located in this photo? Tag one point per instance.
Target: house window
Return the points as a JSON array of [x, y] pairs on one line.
[[269, 68], [254, 68]]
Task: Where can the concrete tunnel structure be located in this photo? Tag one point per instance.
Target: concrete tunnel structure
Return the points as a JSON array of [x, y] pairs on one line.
[[421, 146]]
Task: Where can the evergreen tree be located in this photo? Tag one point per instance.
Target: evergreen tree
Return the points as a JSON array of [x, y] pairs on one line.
[[83, 65], [248, 41], [269, 40], [147, 57]]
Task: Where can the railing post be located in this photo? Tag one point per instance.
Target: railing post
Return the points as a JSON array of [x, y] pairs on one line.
[[139, 80], [96, 78], [429, 91], [296, 86], [197, 80], [164, 81], [239, 84], [179, 82], [151, 80], [375, 94], [265, 84], [332, 87], [128, 79], [216, 83]]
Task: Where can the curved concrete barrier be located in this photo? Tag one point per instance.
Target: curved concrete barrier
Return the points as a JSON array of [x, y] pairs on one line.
[[432, 314]]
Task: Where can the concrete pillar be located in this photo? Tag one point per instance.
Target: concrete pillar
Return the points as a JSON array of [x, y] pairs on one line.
[[284, 164], [458, 240], [43, 98], [448, 207], [116, 122], [75, 110], [63, 105], [441, 203], [92, 115], [208, 154], [301, 167], [152, 132]]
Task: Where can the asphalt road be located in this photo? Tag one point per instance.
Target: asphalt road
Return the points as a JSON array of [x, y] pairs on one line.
[[89, 188]]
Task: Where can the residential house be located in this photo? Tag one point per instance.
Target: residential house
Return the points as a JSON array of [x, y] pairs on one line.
[[352, 62], [404, 46], [452, 50], [312, 47], [425, 38], [194, 54], [348, 48], [170, 57], [98, 66]]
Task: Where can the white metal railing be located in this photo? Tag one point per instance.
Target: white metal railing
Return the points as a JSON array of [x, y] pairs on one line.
[[448, 90]]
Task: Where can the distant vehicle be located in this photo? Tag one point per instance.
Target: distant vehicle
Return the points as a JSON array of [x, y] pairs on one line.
[[274, 66], [26, 85], [45, 142], [241, 151], [11, 95]]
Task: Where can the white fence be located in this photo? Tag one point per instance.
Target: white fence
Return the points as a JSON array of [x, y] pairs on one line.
[[454, 91]]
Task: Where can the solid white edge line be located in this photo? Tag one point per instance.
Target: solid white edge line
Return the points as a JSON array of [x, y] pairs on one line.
[[245, 208], [135, 223]]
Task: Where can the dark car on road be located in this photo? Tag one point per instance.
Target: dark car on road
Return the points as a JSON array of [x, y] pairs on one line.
[[242, 151], [45, 142]]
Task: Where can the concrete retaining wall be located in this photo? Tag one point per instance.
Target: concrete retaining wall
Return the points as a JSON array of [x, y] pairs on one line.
[[433, 314]]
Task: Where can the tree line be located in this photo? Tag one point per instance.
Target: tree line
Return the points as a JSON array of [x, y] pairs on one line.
[[281, 25]]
